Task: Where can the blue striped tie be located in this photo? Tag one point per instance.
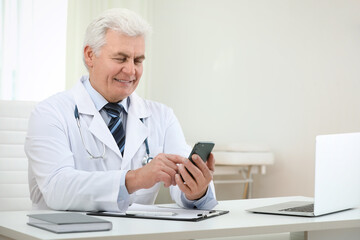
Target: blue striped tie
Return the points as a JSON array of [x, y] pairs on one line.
[[115, 111]]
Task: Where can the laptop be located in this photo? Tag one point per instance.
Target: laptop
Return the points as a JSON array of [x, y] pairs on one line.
[[337, 179]]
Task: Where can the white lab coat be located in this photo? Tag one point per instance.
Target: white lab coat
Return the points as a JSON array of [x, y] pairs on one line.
[[61, 174]]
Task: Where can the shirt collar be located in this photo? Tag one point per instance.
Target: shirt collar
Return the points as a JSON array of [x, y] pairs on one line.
[[99, 100]]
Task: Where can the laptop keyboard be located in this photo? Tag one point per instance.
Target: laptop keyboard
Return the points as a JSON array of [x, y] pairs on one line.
[[305, 208]]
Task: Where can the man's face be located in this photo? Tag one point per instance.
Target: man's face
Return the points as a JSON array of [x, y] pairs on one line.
[[116, 71]]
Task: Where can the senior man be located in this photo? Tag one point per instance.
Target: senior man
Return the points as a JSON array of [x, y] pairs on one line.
[[86, 145]]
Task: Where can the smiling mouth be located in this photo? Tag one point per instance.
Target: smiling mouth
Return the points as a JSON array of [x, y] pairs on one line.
[[124, 81]]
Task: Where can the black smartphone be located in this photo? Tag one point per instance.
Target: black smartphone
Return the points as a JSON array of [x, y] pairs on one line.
[[203, 149]]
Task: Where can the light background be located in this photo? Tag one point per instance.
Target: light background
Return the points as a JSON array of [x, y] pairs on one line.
[[262, 72], [274, 73]]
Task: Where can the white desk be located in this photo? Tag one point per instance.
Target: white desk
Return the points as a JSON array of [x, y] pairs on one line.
[[343, 225]]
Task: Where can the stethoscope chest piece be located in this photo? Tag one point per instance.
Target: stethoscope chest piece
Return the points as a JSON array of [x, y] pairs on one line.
[[147, 157], [146, 160]]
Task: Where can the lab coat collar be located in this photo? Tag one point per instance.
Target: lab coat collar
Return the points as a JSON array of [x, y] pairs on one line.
[[82, 98], [137, 105], [136, 130], [97, 126]]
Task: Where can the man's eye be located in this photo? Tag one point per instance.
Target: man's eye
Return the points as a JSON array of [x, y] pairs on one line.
[[138, 61], [120, 59]]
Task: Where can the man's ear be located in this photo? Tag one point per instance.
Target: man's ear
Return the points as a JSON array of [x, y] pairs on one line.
[[89, 56]]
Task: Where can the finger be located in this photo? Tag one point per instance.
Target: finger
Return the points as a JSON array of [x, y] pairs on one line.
[[188, 179], [182, 186], [169, 171], [176, 159], [166, 179], [202, 180], [202, 166], [171, 160], [158, 167], [211, 162], [165, 174], [164, 159], [199, 163], [193, 168]]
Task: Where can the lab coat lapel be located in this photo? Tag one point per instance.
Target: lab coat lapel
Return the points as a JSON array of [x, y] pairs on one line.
[[101, 131], [97, 126], [136, 130]]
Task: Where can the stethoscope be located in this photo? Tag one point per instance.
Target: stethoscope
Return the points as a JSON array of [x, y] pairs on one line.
[[147, 157], [145, 161]]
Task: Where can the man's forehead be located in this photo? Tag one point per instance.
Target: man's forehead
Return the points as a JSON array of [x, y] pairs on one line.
[[121, 44]]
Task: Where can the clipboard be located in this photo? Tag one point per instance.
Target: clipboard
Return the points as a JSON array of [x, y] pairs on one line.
[[163, 213]]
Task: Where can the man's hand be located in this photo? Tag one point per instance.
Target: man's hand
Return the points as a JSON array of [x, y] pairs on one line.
[[196, 186], [162, 168]]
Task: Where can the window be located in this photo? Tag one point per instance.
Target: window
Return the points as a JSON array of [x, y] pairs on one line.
[[32, 48]]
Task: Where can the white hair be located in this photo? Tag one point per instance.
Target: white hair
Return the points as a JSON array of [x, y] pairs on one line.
[[117, 19]]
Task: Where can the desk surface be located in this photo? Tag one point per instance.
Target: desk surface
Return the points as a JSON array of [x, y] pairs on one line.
[[236, 223]]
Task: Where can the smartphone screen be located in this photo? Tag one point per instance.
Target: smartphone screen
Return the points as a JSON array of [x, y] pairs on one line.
[[203, 149]]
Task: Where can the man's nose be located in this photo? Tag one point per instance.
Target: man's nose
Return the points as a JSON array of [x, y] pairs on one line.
[[129, 68]]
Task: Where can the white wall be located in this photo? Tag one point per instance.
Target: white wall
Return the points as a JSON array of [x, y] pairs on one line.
[[265, 72]]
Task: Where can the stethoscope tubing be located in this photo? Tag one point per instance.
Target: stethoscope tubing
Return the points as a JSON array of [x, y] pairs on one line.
[[147, 157], [76, 113]]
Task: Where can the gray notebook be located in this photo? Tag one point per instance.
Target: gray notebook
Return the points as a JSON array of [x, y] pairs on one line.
[[68, 222]]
